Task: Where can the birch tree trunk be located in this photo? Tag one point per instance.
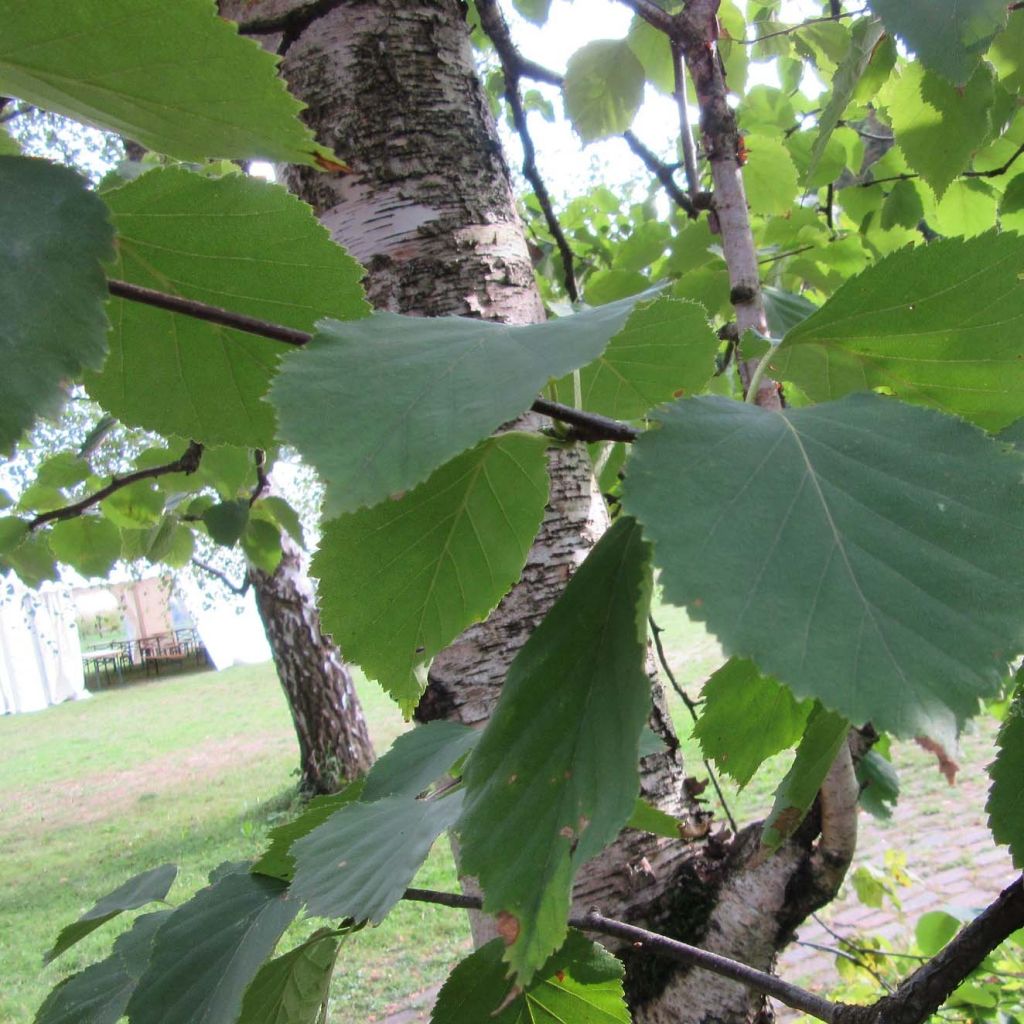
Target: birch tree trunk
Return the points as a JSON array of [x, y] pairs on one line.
[[428, 210]]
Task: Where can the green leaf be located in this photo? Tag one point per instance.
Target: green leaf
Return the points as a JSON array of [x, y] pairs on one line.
[[229, 470], [666, 349], [903, 207], [138, 504], [533, 10], [52, 288], [647, 243], [879, 785], [131, 68], [226, 521], [651, 47], [418, 758], [234, 242], [554, 776], [136, 892], [1006, 798], [65, 469], [405, 394], [293, 988], [89, 544], [580, 984], [948, 36], [12, 533], [361, 860], [278, 862], [100, 993], [882, 565], [32, 559], [785, 309], [279, 512], [934, 929], [603, 88], [942, 325], [770, 177], [261, 542], [939, 126], [210, 949], [746, 718], [825, 735], [401, 580], [648, 818], [865, 36]]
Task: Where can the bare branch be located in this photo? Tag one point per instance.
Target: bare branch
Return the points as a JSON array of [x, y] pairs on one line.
[[663, 173], [992, 172], [654, 14], [685, 135], [262, 483], [188, 463], [803, 24], [235, 588]]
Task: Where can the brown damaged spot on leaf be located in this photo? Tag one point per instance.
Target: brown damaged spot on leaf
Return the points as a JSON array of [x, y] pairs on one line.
[[786, 823], [334, 166], [508, 927], [567, 833], [560, 975], [695, 828], [512, 778], [947, 765]]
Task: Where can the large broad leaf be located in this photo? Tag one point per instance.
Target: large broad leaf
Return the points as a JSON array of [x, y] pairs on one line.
[[361, 860], [293, 988], [554, 776], [56, 236], [580, 984], [100, 993], [210, 948], [939, 126], [942, 325], [882, 563], [825, 735], [1006, 799], [419, 757], [174, 77], [234, 242], [604, 87], [667, 349], [377, 404], [89, 544], [136, 892], [745, 718], [948, 36], [401, 580]]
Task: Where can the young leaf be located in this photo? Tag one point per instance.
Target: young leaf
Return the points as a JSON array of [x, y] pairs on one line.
[[417, 758], [89, 544], [210, 948], [666, 349], [948, 36], [554, 776], [580, 984], [604, 87], [882, 564], [361, 860], [100, 993], [648, 818], [136, 892], [879, 785], [826, 733], [401, 580], [746, 717], [1006, 798], [236, 242], [922, 322], [131, 67], [460, 380], [293, 988], [52, 288]]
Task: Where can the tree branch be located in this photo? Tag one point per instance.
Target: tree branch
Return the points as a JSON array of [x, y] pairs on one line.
[[262, 483], [685, 135], [235, 588], [589, 426], [188, 463], [654, 14], [993, 172], [663, 173]]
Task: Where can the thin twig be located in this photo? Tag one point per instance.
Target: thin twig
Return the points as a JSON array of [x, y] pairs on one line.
[[654, 14], [685, 135], [691, 706], [663, 173], [188, 463], [783, 255], [589, 426], [262, 483], [992, 172], [235, 588], [803, 24], [850, 957]]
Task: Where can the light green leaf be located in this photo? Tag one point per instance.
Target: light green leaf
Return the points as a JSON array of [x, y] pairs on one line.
[[1006, 798], [56, 235], [261, 542], [948, 36], [580, 984], [533, 10], [12, 533], [401, 580], [100, 993], [603, 89], [651, 47], [941, 325], [554, 776], [234, 242], [276, 510], [139, 504], [32, 559], [131, 67], [648, 818], [293, 988], [903, 207], [648, 242], [938, 126], [746, 717], [89, 544], [825, 735], [65, 469], [402, 395], [666, 349], [606, 286], [967, 209], [934, 929], [418, 758], [136, 892], [770, 177], [210, 948], [226, 521], [360, 861], [882, 564]]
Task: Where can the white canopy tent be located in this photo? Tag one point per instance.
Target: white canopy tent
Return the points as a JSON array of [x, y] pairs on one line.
[[231, 629], [40, 655]]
